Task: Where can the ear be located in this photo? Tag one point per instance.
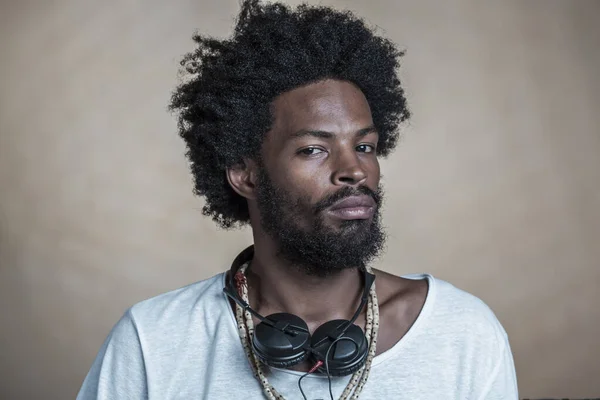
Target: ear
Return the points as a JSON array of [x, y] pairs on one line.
[[242, 178]]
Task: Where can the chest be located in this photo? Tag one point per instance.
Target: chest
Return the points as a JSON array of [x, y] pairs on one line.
[[225, 373]]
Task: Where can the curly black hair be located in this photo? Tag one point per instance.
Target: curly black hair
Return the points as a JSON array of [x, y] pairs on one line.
[[224, 106]]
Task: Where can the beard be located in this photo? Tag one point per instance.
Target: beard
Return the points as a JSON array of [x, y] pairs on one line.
[[303, 238]]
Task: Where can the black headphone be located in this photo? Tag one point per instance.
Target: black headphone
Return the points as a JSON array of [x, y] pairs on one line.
[[282, 339]]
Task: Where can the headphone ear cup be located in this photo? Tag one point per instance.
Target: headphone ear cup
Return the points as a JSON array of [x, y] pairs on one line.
[[347, 355], [277, 348]]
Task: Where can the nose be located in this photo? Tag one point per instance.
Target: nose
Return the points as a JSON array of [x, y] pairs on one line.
[[348, 170]]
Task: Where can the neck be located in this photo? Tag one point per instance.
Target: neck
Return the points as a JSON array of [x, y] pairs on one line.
[[277, 286]]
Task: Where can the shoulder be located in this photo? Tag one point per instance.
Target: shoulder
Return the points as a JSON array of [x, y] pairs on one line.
[[178, 307], [151, 335], [464, 325], [451, 326], [437, 296], [459, 310], [441, 307]]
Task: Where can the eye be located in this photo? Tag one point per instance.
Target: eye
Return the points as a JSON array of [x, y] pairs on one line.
[[310, 151], [365, 148]]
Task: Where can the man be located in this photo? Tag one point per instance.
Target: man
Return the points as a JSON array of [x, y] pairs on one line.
[[284, 123]]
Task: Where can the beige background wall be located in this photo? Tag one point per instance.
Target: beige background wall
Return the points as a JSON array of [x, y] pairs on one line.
[[496, 186]]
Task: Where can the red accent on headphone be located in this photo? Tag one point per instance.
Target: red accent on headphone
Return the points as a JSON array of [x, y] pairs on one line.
[[315, 367]]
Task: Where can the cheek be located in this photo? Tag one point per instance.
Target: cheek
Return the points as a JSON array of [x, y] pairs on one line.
[[306, 186], [376, 171], [371, 166]]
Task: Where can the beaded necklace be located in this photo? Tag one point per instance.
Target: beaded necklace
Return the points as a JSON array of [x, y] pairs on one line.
[[245, 326]]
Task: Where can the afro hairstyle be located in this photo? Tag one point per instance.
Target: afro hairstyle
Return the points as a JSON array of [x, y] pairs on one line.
[[224, 103]]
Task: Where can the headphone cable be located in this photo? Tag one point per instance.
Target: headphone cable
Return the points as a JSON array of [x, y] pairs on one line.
[[310, 371], [327, 360]]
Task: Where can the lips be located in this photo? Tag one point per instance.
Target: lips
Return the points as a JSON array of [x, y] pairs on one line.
[[354, 207], [353, 202]]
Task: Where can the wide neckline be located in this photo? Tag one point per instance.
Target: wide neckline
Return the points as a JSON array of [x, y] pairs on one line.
[[380, 358]]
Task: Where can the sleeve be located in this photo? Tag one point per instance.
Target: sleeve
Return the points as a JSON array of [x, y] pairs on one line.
[[119, 370], [503, 380]]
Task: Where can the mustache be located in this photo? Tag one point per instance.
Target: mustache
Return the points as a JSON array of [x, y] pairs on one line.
[[348, 191]]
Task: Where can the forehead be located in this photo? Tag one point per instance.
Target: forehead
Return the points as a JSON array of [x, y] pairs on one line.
[[329, 105]]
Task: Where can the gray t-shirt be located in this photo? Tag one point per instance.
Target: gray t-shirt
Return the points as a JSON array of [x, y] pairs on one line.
[[184, 345]]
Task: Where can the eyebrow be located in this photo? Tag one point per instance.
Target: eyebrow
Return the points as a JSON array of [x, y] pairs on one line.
[[329, 135]]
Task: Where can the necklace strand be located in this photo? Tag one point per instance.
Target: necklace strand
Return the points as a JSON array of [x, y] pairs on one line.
[[246, 332]]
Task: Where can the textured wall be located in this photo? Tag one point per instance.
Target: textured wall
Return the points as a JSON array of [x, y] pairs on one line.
[[496, 186]]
